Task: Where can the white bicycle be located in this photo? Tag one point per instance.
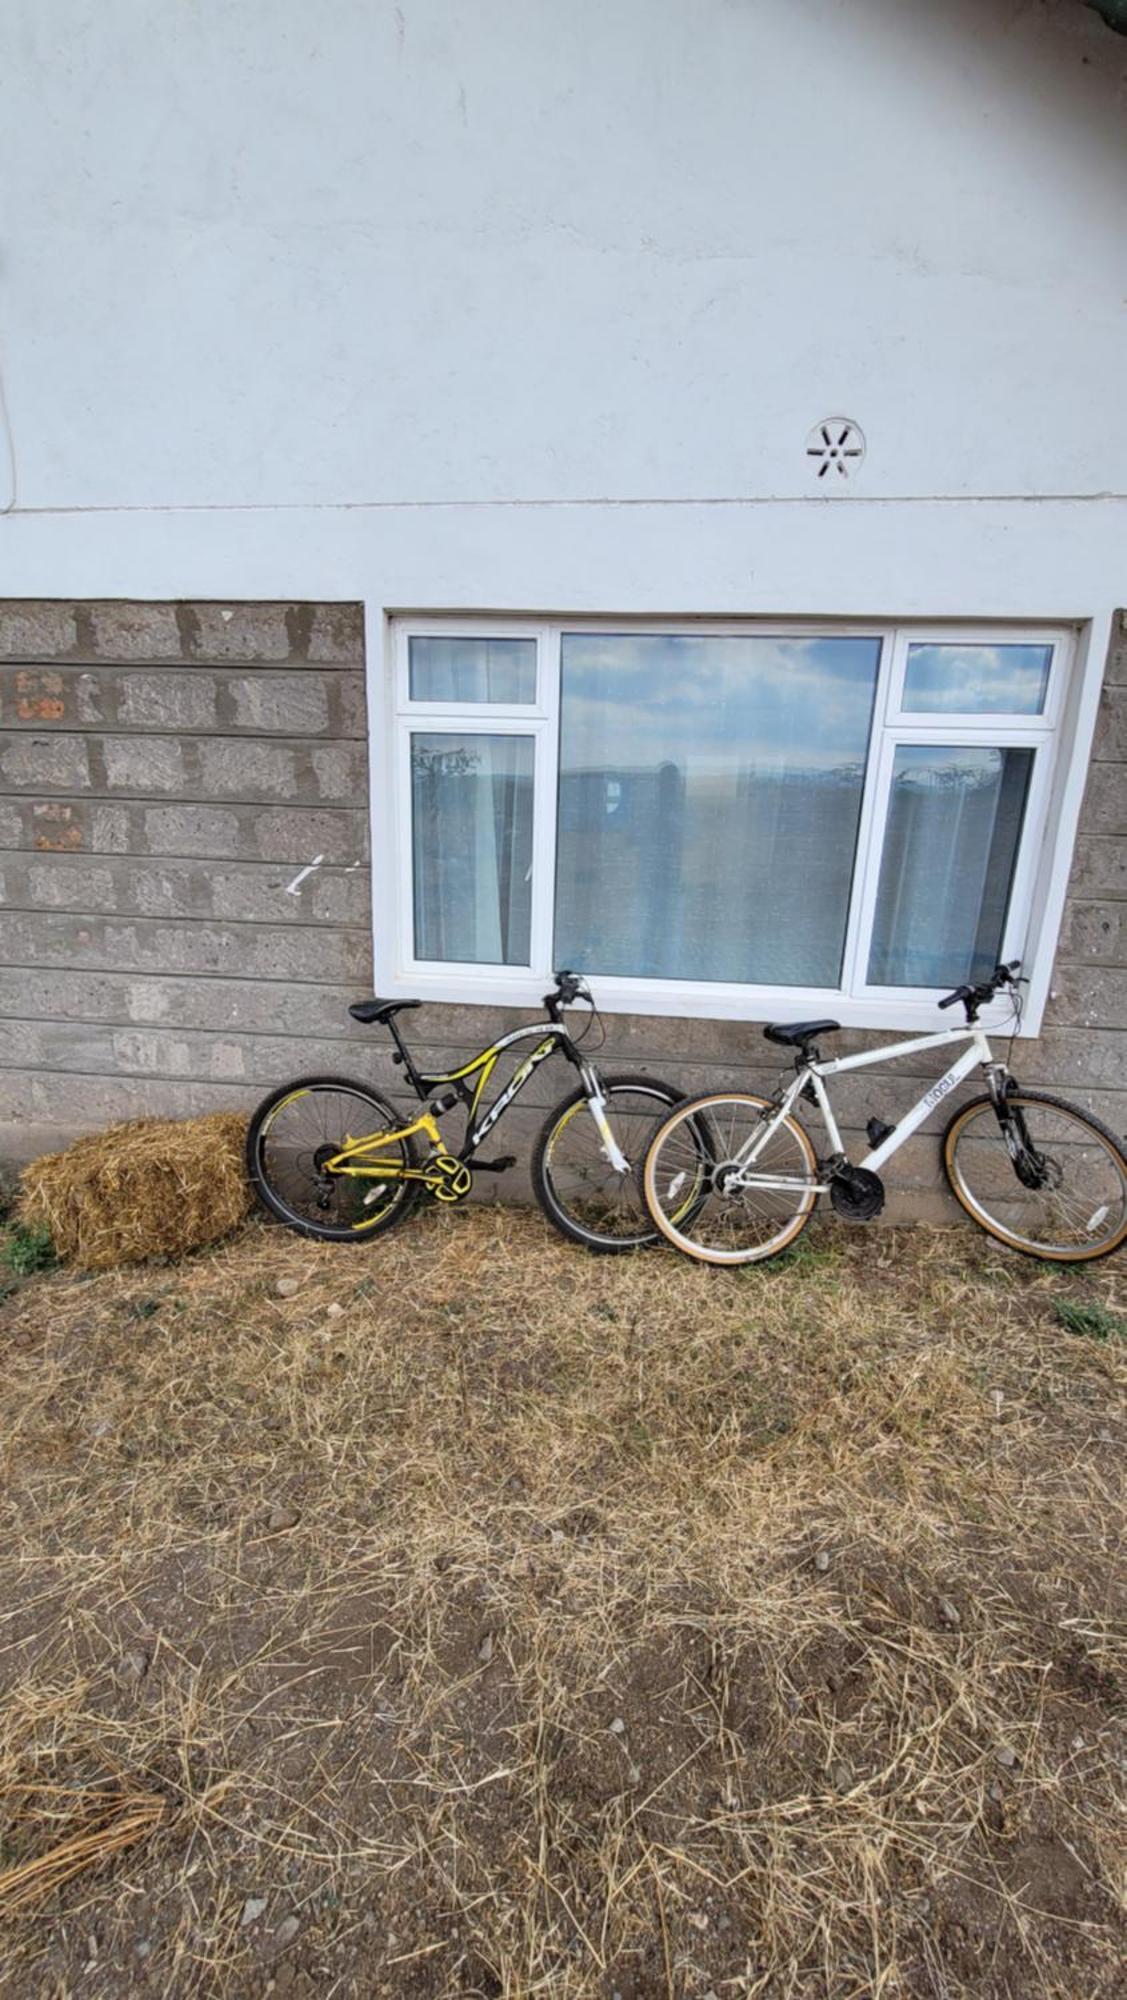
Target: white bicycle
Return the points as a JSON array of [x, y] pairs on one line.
[[732, 1178]]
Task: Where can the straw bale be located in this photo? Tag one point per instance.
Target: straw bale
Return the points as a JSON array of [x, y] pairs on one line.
[[154, 1187]]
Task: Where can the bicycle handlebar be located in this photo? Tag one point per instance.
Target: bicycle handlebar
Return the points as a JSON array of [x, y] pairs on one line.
[[569, 987], [974, 997]]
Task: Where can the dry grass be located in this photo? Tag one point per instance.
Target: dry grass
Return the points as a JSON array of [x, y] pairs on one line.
[[155, 1187], [506, 1621]]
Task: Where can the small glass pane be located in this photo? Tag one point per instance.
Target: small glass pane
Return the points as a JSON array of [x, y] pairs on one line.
[[977, 680], [709, 799], [950, 848], [458, 668], [471, 799]]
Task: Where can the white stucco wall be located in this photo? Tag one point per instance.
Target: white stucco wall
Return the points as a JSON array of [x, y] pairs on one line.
[[521, 304], [265, 254]]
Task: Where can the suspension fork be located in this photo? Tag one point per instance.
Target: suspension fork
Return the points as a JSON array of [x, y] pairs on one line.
[[1028, 1163], [597, 1104]]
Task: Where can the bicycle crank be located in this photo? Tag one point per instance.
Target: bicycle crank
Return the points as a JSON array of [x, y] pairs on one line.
[[857, 1194], [448, 1179]]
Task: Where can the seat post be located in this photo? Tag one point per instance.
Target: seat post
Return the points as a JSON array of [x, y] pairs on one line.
[[404, 1057]]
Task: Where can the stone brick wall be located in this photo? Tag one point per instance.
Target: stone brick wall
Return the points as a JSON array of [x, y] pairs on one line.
[[165, 771]]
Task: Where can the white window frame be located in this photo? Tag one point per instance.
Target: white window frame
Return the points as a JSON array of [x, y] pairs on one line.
[[1036, 892]]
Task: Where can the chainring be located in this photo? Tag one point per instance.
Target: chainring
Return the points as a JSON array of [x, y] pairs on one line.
[[448, 1179], [857, 1194]]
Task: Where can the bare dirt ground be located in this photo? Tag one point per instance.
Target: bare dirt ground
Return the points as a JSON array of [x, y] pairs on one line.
[[466, 1615]]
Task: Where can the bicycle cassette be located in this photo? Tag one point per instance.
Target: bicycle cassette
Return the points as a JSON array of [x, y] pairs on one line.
[[857, 1194]]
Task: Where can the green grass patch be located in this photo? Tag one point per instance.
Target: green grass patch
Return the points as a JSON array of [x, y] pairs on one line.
[[1093, 1320], [29, 1249]]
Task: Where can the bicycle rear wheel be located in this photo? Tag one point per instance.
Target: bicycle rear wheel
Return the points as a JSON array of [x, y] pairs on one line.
[[1074, 1211], [297, 1129], [707, 1204]]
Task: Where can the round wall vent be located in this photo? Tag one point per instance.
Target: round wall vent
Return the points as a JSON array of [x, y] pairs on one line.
[[835, 448]]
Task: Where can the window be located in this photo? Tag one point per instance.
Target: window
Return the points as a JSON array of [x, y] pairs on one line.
[[721, 819]]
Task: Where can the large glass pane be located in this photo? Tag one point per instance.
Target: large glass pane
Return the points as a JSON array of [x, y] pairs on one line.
[[950, 847], [977, 680], [710, 790], [458, 668], [471, 804]]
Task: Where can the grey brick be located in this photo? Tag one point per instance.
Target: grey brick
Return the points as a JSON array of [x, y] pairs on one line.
[[1089, 996], [280, 704], [207, 830], [337, 634], [133, 631], [166, 701], [44, 763], [293, 835], [1095, 931], [1105, 800], [338, 769], [248, 770], [232, 632], [140, 764], [1110, 745], [1117, 656], [352, 712], [34, 631], [1099, 867], [1071, 1059]]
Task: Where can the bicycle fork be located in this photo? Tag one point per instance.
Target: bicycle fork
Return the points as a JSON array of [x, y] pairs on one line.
[[597, 1106]]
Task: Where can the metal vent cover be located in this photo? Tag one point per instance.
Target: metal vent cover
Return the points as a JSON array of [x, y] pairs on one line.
[[835, 448]]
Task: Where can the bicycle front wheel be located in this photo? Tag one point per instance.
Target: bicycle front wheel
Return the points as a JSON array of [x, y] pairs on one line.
[[1063, 1200], [298, 1129], [581, 1193], [712, 1205]]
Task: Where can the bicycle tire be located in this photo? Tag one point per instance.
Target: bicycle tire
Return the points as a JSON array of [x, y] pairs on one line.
[[694, 1211], [628, 1204], [960, 1126], [264, 1177]]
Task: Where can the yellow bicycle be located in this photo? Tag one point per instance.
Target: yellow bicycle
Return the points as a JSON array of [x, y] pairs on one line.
[[336, 1160]]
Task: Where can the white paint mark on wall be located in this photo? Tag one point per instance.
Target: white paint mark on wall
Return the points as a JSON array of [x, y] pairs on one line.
[[293, 887]]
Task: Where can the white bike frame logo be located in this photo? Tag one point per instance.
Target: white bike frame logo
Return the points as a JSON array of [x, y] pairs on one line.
[[939, 1090]]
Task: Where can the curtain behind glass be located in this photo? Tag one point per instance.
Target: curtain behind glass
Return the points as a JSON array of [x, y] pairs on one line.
[[950, 845], [709, 799], [471, 802]]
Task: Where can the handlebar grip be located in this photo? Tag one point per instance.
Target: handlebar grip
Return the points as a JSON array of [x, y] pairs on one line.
[[953, 997]]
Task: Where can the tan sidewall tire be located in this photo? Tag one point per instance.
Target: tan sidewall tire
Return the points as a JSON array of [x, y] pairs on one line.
[[727, 1258], [1108, 1139]]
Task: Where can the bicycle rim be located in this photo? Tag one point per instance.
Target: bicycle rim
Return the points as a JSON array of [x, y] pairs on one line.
[[702, 1203], [300, 1133], [597, 1204], [1080, 1213]]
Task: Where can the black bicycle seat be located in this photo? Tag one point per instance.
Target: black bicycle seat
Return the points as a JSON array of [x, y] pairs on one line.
[[379, 1010], [795, 1034]]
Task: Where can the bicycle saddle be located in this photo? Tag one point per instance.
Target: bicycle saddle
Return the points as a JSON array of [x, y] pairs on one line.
[[379, 1010], [794, 1034]]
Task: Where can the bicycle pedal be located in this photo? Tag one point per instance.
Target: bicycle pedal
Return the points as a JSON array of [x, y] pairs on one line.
[[500, 1166], [877, 1131]]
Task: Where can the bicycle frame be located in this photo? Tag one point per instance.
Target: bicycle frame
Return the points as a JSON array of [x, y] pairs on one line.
[[353, 1159], [810, 1076]]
